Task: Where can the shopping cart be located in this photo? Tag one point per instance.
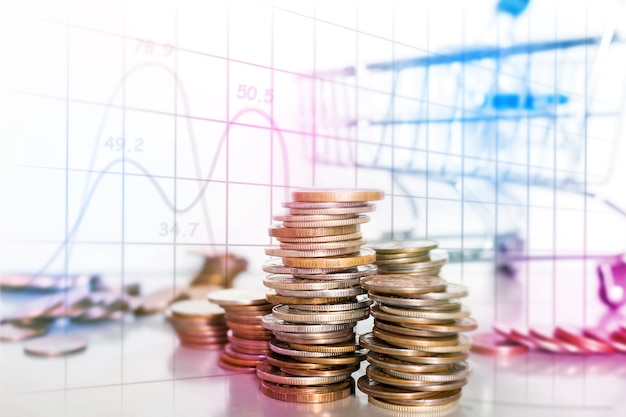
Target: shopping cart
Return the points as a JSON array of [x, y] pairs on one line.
[[525, 114]]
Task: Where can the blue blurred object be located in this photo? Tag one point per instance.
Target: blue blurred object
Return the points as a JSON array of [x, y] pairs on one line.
[[512, 7], [515, 101]]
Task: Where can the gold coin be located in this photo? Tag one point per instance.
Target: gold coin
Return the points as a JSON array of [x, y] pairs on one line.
[[400, 301], [361, 301], [388, 392], [296, 395], [394, 318], [400, 255], [337, 195], [396, 261], [347, 359], [404, 246], [267, 372], [289, 282], [311, 217], [320, 239], [281, 231], [407, 331], [322, 204], [455, 372], [386, 362], [358, 272], [283, 312], [275, 266], [463, 344], [362, 208], [274, 298], [432, 410], [281, 361], [316, 253], [330, 293], [344, 347], [323, 245], [378, 375], [285, 348], [461, 325], [364, 256], [360, 219], [293, 338], [345, 370], [390, 337], [403, 284], [463, 312]]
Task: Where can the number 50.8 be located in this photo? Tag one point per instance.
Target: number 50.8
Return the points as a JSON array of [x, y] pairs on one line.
[[251, 92]]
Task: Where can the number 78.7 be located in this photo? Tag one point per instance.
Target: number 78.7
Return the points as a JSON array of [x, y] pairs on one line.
[[251, 93]]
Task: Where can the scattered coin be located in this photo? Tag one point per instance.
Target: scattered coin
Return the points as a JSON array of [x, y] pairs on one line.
[[55, 345]]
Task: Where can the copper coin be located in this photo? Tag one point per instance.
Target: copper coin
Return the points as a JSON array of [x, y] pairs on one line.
[[388, 392], [574, 335], [270, 373], [55, 346], [602, 335], [334, 195], [295, 395], [396, 284], [284, 361], [451, 340], [378, 375], [347, 359], [543, 334], [496, 344], [379, 314], [228, 349], [343, 370], [370, 342], [291, 339], [407, 331], [386, 362], [246, 363], [343, 347], [461, 325], [236, 368], [274, 298], [438, 399], [281, 231], [276, 266]]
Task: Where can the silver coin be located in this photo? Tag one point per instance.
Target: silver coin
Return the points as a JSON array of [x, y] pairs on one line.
[[332, 293], [270, 322]]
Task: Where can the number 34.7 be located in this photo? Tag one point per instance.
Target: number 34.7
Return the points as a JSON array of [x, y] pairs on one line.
[[250, 92]]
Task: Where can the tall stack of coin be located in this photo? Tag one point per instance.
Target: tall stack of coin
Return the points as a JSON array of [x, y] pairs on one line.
[[198, 323], [416, 352], [247, 338], [317, 295]]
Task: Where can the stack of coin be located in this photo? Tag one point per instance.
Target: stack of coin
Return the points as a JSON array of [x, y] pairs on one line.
[[317, 295], [409, 257], [198, 323], [416, 354], [247, 338]]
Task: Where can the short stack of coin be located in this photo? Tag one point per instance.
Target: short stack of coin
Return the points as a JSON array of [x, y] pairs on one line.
[[416, 354], [198, 323], [409, 257], [317, 295], [247, 338]]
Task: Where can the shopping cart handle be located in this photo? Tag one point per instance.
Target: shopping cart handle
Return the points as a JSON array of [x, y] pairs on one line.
[[612, 277]]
